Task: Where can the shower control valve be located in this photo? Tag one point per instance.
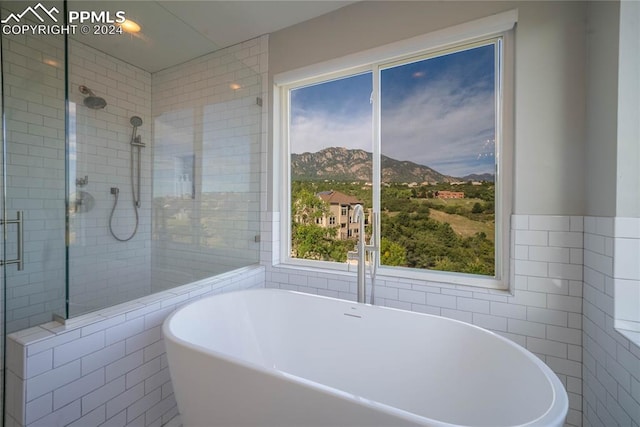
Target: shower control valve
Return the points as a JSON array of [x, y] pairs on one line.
[[81, 182]]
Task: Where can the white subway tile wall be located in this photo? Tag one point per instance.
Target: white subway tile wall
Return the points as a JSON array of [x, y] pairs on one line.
[[34, 107], [611, 366], [108, 368], [102, 270], [543, 311], [209, 126]]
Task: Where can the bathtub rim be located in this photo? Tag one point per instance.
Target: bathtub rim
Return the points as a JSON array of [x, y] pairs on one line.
[[556, 412]]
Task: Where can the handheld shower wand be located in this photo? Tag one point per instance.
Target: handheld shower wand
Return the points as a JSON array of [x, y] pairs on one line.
[[136, 142]]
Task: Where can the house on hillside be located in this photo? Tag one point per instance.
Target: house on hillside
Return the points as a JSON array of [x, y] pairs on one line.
[[444, 194], [340, 214]]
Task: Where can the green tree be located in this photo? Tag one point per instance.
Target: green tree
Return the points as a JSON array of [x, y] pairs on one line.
[[392, 253], [445, 264], [477, 266], [310, 241], [306, 207]]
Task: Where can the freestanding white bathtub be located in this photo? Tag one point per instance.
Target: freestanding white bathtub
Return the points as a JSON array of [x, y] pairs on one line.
[[279, 358]]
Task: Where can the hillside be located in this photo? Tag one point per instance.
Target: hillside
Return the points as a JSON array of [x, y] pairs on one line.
[[482, 177], [341, 164]]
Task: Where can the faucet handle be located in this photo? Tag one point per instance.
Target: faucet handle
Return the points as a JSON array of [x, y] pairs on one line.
[[351, 257]]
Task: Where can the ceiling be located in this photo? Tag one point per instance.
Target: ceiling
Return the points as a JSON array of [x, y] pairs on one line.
[[176, 31]]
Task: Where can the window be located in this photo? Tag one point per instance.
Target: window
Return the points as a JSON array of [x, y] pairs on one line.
[[422, 139], [332, 220], [438, 133]]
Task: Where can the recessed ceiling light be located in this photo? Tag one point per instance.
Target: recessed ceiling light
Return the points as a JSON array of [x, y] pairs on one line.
[[51, 62], [130, 26]]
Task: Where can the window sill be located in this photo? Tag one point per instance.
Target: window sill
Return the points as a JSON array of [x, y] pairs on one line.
[[629, 330], [390, 274], [626, 274]]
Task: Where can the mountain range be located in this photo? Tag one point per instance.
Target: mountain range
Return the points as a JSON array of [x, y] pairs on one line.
[[341, 164]]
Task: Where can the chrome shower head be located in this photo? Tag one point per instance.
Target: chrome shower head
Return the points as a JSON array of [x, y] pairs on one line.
[[92, 101], [135, 121], [95, 102]]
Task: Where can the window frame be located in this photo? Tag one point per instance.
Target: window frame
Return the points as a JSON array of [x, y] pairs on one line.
[[374, 60]]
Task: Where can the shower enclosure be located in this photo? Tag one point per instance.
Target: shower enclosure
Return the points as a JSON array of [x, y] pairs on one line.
[[123, 178]]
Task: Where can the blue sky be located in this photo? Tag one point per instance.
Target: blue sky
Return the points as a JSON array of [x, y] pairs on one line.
[[438, 112]]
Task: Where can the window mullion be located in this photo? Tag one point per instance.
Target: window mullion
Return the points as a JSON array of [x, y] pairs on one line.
[[376, 156], [500, 232], [286, 173]]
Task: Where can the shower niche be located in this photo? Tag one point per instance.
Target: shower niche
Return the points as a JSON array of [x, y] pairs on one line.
[[184, 176]]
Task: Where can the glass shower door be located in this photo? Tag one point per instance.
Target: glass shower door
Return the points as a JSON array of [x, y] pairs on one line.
[[34, 80], [33, 157]]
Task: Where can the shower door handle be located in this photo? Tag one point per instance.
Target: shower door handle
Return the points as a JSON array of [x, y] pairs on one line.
[[20, 259]]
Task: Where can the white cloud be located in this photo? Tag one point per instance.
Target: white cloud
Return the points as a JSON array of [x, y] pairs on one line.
[[443, 126], [313, 132]]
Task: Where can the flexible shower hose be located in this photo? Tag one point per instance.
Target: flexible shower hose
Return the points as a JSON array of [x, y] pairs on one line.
[[136, 202]]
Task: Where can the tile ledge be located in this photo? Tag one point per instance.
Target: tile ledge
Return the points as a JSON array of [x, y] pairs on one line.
[[54, 328]]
